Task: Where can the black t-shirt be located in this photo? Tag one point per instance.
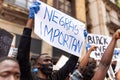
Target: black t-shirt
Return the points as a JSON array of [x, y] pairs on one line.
[[25, 66]]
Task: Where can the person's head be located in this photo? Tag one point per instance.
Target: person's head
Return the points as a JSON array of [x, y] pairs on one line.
[[45, 64], [9, 69], [89, 71]]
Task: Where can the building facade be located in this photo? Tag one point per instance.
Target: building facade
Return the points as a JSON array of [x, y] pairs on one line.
[[103, 17], [100, 17]]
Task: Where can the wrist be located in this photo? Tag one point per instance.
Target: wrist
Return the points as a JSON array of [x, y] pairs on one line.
[[90, 50], [30, 23], [27, 31], [114, 38]]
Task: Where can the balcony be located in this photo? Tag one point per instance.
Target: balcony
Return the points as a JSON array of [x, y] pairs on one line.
[[16, 11], [13, 14], [110, 4], [113, 22]]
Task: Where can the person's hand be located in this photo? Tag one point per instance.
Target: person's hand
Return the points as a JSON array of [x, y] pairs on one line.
[[117, 34], [93, 48], [34, 9]]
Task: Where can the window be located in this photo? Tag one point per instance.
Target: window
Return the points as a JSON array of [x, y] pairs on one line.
[[66, 6], [22, 3], [35, 44]]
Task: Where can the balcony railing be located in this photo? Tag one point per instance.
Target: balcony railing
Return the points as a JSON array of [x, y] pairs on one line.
[[113, 21], [21, 3], [111, 4]]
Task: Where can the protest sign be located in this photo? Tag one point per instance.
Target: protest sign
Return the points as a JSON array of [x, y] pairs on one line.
[[101, 42], [61, 62], [111, 73], [13, 51], [59, 29], [117, 67], [5, 42], [116, 55]]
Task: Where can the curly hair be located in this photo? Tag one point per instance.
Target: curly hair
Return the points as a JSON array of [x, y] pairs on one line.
[[88, 72]]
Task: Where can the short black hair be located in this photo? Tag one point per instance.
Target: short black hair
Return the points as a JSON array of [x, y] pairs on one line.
[[89, 72], [40, 56], [7, 58]]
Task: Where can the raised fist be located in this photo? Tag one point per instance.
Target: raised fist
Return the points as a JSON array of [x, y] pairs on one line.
[[93, 48], [34, 9], [117, 34]]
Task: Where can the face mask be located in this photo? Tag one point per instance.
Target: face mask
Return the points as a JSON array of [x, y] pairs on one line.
[[47, 69]]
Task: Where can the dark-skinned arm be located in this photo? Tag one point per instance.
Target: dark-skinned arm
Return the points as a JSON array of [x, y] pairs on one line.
[[84, 60], [67, 68], [106, 58], [25, 42], [24, 51]]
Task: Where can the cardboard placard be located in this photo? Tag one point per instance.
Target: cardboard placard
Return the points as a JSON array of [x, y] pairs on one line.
[[5, 42]]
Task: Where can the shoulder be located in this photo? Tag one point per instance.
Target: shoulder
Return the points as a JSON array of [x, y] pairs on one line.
[[76, 75]]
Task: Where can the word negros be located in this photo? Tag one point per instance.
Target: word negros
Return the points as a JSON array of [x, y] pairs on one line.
[[61, 30], [67, 23]]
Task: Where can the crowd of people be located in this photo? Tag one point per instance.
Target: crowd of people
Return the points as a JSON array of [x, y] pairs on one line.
[[20, 68]]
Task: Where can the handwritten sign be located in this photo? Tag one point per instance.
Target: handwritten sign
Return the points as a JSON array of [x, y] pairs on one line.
[[111, 73], [5, 42], [59, 29], [101, 42], [116, 55], [117, 67]]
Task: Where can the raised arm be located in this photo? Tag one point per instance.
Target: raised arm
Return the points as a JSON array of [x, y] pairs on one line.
[[24, 47], [106, 58], [77, 74], [67, 68], [24, 52], [84, 60]]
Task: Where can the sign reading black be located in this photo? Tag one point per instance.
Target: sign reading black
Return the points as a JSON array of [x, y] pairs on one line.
[[5, 42]]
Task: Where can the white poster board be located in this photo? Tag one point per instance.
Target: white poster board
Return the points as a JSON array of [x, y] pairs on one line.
[[117, 58], [111, 73], [13, 51], [116, 55], [101, 42], [59, 29], [61, 62]]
